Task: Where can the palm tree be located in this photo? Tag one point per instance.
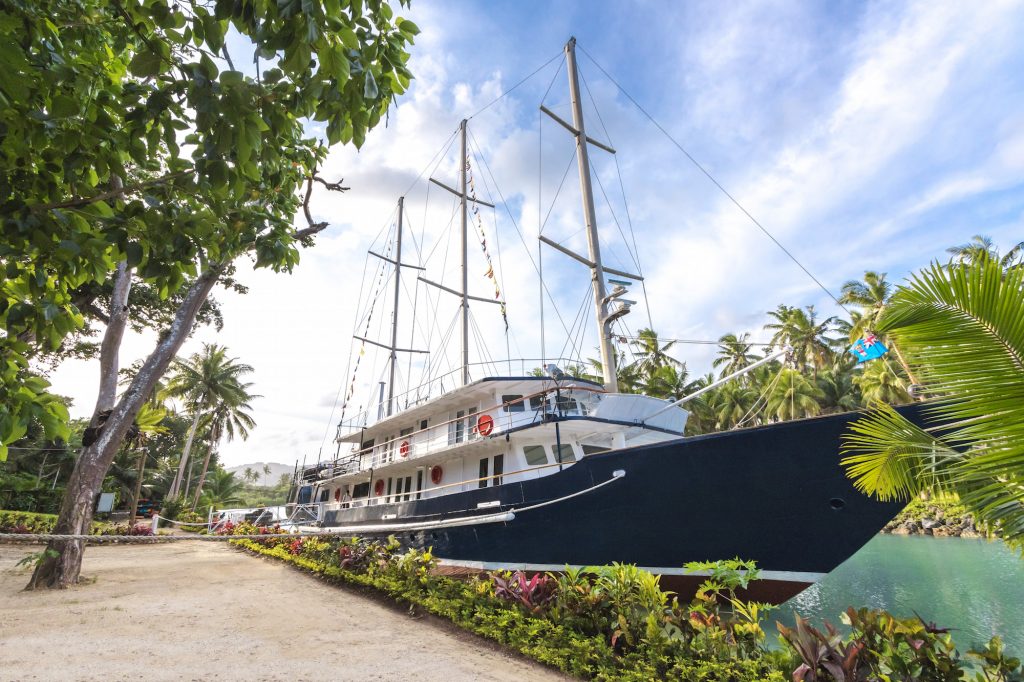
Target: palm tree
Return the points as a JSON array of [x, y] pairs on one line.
[[793, 396], [981, 247], [871, 294], [961, 327], [802, 331], [649, 354], [204, 381], [226, 419], [670, 382], [249, 475], [222, 490], [840, 391], [734, 353], [732, 403], [879, 383], [266, 474]]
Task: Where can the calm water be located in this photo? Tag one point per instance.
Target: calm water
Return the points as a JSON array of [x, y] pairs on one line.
[[975, 586]]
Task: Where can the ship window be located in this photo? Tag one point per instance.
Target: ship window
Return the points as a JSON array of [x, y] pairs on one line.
[[499, 468], [389, 490], [513, 403], [483, 473], [459, 426], [405, 432], [367, 444], [535, 455], [563, 453], [594, 449], [419, 483], [423, 424], [398, 489], [361, 490], [536, 402], [408, 487], [566, 404], [325, 495]]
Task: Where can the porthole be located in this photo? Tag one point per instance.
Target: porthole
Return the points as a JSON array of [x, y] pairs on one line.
[[837, 503]]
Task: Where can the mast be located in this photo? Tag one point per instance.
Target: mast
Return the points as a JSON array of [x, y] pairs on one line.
[[601, 300], [465, 254], [394, 313]]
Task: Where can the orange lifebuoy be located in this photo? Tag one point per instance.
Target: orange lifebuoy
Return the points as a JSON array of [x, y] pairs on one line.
[[378, 488], [436, 474], [403, 449], [485, 425]]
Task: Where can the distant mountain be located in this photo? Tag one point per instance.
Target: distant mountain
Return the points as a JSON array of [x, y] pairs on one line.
[[276, 471]]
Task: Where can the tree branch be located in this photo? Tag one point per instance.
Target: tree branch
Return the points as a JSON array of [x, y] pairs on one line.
[[102, 196], [316, 227]]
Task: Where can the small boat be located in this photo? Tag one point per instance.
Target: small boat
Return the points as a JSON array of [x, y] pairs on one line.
[[542, 470]]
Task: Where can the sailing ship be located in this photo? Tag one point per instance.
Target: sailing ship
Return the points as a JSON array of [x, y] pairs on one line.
[[539, 471]]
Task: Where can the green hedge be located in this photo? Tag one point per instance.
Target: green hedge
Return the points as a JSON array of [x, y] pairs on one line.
[[538, 638], [29, 522]]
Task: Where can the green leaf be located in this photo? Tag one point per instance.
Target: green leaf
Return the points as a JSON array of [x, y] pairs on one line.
[[133, 254], [231, 77], [145, 63]]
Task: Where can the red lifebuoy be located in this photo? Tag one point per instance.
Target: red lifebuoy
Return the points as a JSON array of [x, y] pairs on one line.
[[337, 495], [403, 449], [436, 474], [485, 425], [378, 488]]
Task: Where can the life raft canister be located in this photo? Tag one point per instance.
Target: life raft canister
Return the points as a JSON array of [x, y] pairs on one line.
[[436, 474], [378, 488], [485, 425], [403, 449]]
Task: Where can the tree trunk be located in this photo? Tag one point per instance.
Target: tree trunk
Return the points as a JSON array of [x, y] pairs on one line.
[[111, 346], [76, 508], [179, 477], [202, 476]]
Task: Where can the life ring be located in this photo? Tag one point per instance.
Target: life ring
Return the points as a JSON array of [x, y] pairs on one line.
[[378, 487], [403, 449], [485, 425], [337, 495], [436, 474]]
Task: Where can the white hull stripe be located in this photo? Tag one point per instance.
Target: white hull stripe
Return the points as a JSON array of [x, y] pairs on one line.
[[782, 576], [502, 517]]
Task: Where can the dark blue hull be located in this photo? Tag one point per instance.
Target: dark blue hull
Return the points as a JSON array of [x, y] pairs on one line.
[[775, 494]]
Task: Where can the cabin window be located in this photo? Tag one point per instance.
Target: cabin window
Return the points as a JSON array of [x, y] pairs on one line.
[[471, 422], [361, 490], [499, 468], [563, 453], [459, 427], [423, 424], [405, 432], [513, 403], [367, 444], [593, 449], [566, 404], [398, 489], [389, 490], [408, 488], [483, 473], [325, 495], [419, 483], [536, 402], [389, 448], [535, 455]]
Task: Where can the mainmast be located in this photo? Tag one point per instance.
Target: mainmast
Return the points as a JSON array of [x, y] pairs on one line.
[[464, 158], [394, 314], [602, 299]]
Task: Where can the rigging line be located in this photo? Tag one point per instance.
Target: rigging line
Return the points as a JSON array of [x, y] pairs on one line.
[[522, 239], [445, 146], [576, 320], [634, 254], [539, 265], [553, 78], [715, 182], [507, 92], [764, 396], [700, 342], [558, 191]]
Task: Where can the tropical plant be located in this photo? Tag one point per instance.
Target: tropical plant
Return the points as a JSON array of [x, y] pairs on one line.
[[800, 329], [840, 391], [871, 294], [734, 353], [793, 396], [222, 490], [649, 353], [879, 382], [981, 247], [210, 385], [962, 329], [732, 402]]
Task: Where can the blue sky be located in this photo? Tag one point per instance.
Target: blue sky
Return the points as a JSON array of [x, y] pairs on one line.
[[863, 135]]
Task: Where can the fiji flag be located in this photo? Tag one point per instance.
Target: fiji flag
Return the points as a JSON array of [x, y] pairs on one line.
[[868, 348]]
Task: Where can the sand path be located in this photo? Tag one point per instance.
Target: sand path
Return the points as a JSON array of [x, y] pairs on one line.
[[199, 611]]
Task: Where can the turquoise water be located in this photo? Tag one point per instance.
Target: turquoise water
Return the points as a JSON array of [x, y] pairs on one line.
[[974, 586]]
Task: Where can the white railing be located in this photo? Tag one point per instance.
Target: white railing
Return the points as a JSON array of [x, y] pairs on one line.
[[446, 383], [573, 401]]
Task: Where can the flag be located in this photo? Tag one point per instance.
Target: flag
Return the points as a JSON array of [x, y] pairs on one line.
[[868, 348]]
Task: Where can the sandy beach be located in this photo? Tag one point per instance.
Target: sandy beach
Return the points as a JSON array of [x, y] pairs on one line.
[[199, 611]]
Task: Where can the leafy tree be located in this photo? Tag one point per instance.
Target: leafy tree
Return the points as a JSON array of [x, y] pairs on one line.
[[734, 353], [800, 329], [962, 329], [793, 396], [879, 383], [132, 155], [227, 419]]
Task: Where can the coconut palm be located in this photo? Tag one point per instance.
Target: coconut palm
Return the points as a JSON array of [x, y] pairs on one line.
[[805, 334], [649, 353], [227, 419], [879, 383], [732, 403], [221, 490], [793, 396], [961, 327], [266, 474], [981, 247], [671, 382], [840, 391], [734, 353], [871, 294], [202, 382], [249, 475]]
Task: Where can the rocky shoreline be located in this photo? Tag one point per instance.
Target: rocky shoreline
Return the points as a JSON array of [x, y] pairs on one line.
[[937, 522]]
